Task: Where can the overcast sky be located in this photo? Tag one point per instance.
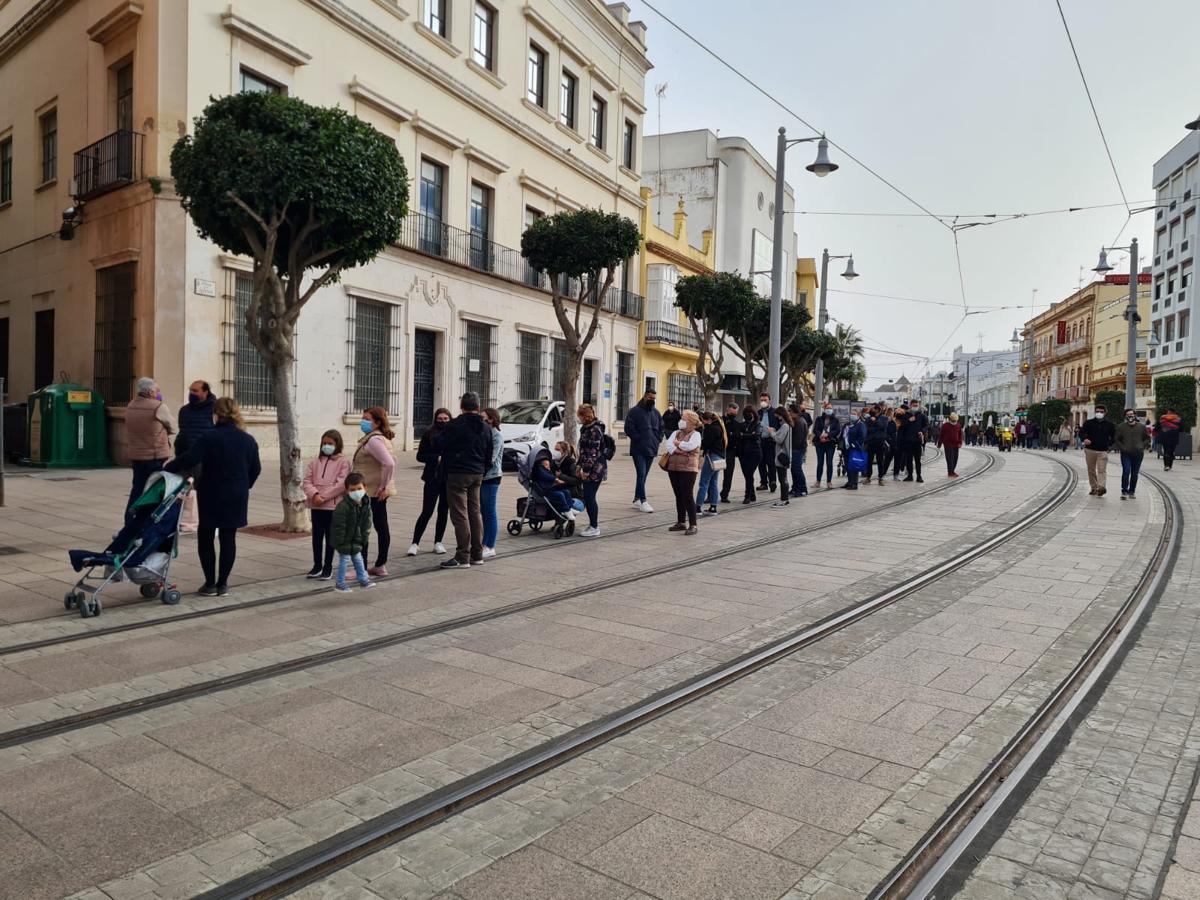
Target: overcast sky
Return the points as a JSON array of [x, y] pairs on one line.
[[969, 106]]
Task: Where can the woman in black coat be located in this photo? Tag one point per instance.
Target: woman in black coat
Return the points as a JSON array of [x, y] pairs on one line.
[[749, 451], [231, 466]]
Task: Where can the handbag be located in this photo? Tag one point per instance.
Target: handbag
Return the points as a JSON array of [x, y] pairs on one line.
[[856, 460], [782, 460], [663, 460], [716, 463]]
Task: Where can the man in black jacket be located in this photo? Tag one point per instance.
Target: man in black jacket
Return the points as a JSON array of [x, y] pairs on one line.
[[644, 428], [195, 419], [767, 471], [1098, 435], [733, 437], [466, 447], [911, 439]]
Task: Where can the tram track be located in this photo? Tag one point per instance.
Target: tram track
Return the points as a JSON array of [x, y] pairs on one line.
[[306, 866], [935, 858], [208, 611], [122, 709]]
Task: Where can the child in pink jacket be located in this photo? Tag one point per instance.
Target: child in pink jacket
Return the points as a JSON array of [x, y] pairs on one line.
[[324, 484]]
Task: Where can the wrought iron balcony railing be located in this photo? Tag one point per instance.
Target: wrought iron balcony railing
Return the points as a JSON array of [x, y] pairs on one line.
[[670, 333], [111, 163]]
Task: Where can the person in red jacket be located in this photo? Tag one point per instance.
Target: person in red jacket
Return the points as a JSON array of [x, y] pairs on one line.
[[951, 437]]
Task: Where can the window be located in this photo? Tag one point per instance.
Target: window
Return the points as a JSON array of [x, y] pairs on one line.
[[113, 355], [558, 368], [1185, 319], [570, 89], [479, 361], [683, 390], [1169, 322], [481, 211], [529, 373], [532, 215], [6, 170], [436, 19], [374, 345], [4, 356], [531, 276], [660, 290], [253, 83], [484, 47], [1158, 283], [251, 379], [124, 97], [43, 345], [599, 112], [535, 81], [628, 140], [432, 191], [1117, 347], [49, 129], [624, 384]]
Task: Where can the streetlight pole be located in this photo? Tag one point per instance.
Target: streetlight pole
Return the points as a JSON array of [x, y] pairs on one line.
[[821, 167], [1131, 317], [823, 318]]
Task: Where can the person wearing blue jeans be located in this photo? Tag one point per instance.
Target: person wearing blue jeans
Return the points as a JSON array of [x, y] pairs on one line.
[[799, 482], [360, 572], [489, 491], [1133, 442], [713, 443], [350, 532], [826, 431], [644, 428]]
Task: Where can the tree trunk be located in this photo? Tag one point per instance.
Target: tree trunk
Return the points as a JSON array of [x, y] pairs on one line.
[[567, 388], [291, 476]]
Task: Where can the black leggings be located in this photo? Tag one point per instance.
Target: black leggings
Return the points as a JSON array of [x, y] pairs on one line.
[[433, 495], [749, 463], [877, 455], [684, 486], [379, 525], [783, 484], [322, 543], [1168, 453], [206, 548]]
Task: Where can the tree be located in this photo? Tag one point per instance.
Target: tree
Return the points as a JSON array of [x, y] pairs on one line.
[[1176, 392], [1114, 405], [800, 357], [850, 350], [712, 304], [751, 333], [847, 395], [297, 188], [577, 250], [1050, 414]]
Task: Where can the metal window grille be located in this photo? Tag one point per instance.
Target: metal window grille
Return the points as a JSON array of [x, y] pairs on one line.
[[50, 146], [684, 390], [113, 369], [479, 361], [246, 375], [558, 369], [6, 170], [624, 384], [529, 368], [373, 355]]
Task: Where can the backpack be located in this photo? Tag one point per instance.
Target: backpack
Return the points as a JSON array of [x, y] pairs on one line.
[[610, 447]]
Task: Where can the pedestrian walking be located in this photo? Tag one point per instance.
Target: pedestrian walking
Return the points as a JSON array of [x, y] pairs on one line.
[[433, 487], [489, 491], [593, 465], [1167, 430], [733, 437], [231, 465], [148, 429], [351, 532], [950, 435], [375, 460], [825, 432], [749, 452], [913, 428], [801, 427], [683, 465], [1132, 441], [768, 472], [1098, 435], [323, 486], [644, 428], [466, 447], [1065, 433], [854, 437], [713, 446], [670, 420], [781, 437]]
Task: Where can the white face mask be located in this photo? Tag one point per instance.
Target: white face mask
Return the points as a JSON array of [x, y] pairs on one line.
[[356, 496], [1098, 415], [763, 404], [556, 454], [328, 449]]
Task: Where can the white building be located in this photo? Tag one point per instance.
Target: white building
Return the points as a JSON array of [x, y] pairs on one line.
[[502, 112], [1173, 301], [986, 380]]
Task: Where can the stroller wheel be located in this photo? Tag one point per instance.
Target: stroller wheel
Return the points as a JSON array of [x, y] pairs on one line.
[[87, 608], [150, 590], [514, 527], [69, 600], [569, 528], [558, 531], [536, 525], [171, 596]]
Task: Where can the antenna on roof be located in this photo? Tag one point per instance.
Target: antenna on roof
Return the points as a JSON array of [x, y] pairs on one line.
[[660, 91]]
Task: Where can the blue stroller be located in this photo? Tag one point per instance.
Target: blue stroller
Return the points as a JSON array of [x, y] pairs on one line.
[[140, 553], [534, 509]]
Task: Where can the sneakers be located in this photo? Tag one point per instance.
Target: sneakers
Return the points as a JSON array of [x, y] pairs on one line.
[[1132, 495], [455, 564], [690, 531], [207, 590], [489, 552], [222, 590], [314, 572], [439, 548], [920, 480], [724, 499], [678, 526], [637, 504], [881, 479], [343, 589], [908, 478], [1124, 495], [780, 504], [378, 572], [326, 574], [646, 507], [587, 532], [748, 500], [413, 550]]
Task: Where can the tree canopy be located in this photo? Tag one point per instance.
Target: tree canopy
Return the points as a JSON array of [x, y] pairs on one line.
[[714, 305], [580, 243]]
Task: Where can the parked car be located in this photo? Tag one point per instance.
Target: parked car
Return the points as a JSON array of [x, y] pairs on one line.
[[525, 424]]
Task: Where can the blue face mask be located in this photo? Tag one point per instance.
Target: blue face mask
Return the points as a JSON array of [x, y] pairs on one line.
[[367, 426]]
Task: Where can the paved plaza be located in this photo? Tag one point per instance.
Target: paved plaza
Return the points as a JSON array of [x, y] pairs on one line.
[[176, 753]]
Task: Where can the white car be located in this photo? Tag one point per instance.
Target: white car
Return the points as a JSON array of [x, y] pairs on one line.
[[525, 424]]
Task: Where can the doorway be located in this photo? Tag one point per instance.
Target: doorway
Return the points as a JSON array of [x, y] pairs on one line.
[[43, 348], [589, 381], [424, 379]]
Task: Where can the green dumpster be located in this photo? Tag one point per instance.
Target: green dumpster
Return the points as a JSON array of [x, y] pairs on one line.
[[67, 428]]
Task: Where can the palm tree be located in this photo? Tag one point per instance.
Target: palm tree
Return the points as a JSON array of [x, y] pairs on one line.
[[849, 353]]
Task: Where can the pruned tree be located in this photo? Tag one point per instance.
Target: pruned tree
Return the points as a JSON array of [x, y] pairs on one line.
[[580, 252], [713, 304], [752, 335], [306, 192], [800, 357]]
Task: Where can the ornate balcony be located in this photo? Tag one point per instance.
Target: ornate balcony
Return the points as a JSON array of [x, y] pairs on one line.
[[112, 162]]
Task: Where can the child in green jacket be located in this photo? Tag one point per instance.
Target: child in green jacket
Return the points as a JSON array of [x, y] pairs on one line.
[[351, 528]]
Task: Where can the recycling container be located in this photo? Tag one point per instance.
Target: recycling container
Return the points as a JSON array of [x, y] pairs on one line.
[[67, 428]]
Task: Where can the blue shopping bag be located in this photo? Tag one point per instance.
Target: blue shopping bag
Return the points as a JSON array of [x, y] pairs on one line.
[[856, 460]]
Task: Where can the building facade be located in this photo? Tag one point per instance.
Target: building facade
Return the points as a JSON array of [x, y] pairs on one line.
[[1110, 342], [986, 380], [1176, 234], [502, 113]]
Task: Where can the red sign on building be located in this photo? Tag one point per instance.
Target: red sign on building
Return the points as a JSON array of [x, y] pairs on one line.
[[1062, 331], [1143, 278]]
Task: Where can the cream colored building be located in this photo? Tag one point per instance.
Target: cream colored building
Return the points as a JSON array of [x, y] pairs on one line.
[[502, 111]]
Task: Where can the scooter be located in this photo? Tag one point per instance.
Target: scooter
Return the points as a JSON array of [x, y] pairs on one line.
[[1005, 438]]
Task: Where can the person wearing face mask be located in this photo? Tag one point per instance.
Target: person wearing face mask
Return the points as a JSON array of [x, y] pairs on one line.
[[749, 452], [825, 432], [466, 448], [877, 444], [801, 424], [854, 437], [195, 420], [593, 464], [148, 429], [1133, 442], [644, 428], [670, 419], [324, 484], [683, 465], [433, 494], [950, 436], [1098, 435], [351, 532], [732, 421], [375, 460], [781, 450], [913, 427], [768, 473]]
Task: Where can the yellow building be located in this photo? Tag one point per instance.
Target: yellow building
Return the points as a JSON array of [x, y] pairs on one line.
[[807, 283], [668, 346], [1110, 340]]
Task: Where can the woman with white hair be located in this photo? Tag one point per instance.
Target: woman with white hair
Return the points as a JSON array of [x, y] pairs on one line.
[[148, 429], [683, 465]]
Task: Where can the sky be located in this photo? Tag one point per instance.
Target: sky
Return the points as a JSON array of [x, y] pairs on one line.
[[971, 107]]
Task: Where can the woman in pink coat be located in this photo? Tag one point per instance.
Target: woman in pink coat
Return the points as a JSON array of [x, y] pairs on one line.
[[324, 484]]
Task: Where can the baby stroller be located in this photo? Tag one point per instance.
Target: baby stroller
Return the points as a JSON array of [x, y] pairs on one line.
[[140, 553], [534, 509]]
